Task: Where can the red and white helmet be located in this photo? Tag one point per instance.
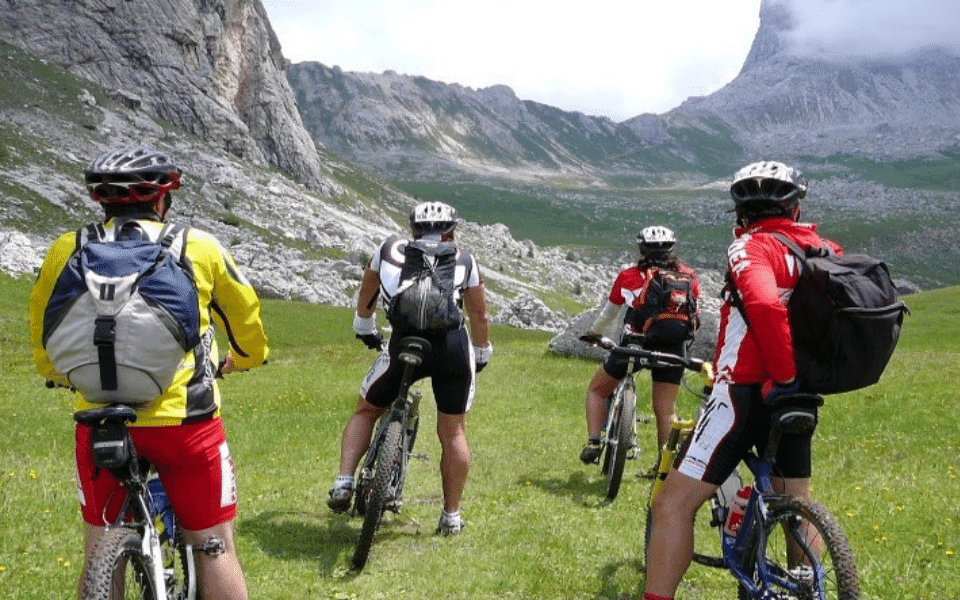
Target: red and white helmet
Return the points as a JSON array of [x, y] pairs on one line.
[[135, 174]]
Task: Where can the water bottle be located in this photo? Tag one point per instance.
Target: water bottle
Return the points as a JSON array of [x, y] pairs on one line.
[[160, 505], [737, 509]]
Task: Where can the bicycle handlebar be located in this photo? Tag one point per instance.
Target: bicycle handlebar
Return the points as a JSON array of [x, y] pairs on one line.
[[655, 357]]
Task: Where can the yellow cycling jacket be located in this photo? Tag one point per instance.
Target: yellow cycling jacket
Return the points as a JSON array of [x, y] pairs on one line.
[[221, 290]]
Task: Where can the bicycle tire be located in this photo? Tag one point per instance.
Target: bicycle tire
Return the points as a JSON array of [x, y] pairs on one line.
[[624, 424], [118, 559], [388, 466], [835, 557]]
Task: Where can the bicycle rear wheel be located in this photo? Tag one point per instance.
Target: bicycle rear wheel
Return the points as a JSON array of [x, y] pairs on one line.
[[179, 570], [623, 426], [386, 473], [817, 546], [117, 568]]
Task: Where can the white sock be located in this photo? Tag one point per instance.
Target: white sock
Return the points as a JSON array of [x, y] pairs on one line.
[[343, 480]]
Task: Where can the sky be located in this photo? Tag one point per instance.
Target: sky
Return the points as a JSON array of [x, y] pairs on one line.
[[612, 58]]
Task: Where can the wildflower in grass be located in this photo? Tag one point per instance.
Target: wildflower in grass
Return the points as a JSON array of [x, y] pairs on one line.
[[3, 568], [33, 473]]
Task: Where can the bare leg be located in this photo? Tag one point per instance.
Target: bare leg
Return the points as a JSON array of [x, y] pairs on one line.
[[601, 386], [664, 408], [671, 541], [454, 459], [219, 577], [798, 488], [356, 435]]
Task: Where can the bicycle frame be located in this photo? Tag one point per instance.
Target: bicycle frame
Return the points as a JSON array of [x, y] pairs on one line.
[[406, 410], [743, 551], [138, 511]]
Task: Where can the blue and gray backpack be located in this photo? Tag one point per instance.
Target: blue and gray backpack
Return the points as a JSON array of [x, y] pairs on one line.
[[123, 313]]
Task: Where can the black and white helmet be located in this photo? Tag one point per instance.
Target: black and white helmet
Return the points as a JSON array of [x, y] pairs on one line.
[[656, 239], [768, 181], [134, 174], [433, 218]]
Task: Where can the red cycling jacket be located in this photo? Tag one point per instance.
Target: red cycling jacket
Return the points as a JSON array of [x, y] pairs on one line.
[[765, 273]]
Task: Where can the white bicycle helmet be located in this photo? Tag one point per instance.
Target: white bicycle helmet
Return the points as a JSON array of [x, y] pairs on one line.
[[134, 174], [433, 218], [656, 239], [768, 181]]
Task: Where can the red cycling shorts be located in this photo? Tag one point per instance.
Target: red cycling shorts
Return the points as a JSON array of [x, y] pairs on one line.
[[194, 465]]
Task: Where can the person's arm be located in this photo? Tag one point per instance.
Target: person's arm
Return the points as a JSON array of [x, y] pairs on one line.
[[232, 298], [475, 303], [766, 314], [365, 319]]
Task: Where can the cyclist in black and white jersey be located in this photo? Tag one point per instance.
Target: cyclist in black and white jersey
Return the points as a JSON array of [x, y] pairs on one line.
[[452, 366]]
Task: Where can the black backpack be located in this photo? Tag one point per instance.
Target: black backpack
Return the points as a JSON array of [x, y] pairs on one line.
[[425, 302], [845, 319], [666, 312]]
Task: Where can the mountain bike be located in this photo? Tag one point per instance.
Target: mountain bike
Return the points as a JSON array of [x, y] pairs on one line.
[[619, 441], [783, 547], [142, 554], [380, 484]]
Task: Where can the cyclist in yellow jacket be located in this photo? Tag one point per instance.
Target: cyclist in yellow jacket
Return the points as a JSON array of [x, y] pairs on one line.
[[180, 432]]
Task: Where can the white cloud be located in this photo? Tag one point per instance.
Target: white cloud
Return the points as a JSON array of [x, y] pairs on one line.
[[868, 28], [617, 58]]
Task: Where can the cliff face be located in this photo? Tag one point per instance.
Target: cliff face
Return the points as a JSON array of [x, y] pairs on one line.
[[211, 67]]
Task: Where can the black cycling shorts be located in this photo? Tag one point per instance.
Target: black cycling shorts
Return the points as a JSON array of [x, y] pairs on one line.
[[616, 366], [734, 420], [450, 369]]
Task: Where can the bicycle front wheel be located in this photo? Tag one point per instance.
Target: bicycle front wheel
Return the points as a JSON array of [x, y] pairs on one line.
[[806, 554], [387, 470], [117, 568], [623, 427]]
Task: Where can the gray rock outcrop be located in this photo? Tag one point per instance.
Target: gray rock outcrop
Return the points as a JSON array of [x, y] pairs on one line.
[[212, 67]]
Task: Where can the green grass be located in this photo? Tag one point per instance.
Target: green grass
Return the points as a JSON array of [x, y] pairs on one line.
[[886, 464]]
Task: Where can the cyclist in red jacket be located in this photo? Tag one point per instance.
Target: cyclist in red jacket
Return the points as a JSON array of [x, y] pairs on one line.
[[656, 244], [753, 363]]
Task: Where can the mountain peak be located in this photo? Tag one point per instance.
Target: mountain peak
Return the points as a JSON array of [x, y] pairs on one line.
[[775, 18]]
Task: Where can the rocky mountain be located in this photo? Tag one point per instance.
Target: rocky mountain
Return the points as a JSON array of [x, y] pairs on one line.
[[203, 80], [782, 102], [211, 67], [882, 109], [291, 165]]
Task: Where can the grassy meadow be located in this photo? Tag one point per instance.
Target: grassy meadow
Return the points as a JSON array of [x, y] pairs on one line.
[[886, 464]]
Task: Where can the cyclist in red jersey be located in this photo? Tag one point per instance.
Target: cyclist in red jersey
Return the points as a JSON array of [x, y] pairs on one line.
[[753, 363], [656, 244]]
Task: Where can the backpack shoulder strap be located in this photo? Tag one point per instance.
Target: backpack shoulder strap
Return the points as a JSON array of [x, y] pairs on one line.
[[812, 251], [91, 232], [173, 239]]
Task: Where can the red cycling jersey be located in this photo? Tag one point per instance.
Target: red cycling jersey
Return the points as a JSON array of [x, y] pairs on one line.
[[765, 273]]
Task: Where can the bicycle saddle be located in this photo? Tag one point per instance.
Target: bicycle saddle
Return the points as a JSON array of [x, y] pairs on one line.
[[797, 413], [115, 413], [412, 349]]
